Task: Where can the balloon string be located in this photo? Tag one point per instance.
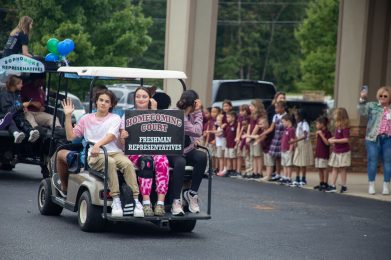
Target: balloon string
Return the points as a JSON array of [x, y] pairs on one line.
[[65, 60]]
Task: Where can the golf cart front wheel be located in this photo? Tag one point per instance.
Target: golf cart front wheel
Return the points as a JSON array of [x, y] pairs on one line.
[[45, 205], [182, 225], [89, 216]]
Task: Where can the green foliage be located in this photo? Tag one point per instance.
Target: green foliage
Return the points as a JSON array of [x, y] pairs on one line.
[[255, 40], [318, 39], [106, 33]]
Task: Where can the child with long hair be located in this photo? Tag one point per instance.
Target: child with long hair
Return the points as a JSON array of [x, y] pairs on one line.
[[276, 129], [303, 156], [322, 151], [257, 111], [241, 146], [215, 111], [340, 158], [220, 145], [10, 101]]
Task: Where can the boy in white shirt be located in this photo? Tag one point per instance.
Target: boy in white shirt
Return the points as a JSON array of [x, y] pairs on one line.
[[102, 128]]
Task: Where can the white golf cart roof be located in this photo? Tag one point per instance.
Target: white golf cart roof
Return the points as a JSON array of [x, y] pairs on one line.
[[121, 73]]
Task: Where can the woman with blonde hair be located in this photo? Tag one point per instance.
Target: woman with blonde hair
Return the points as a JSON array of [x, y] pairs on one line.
[[378, 135], [18, 39]]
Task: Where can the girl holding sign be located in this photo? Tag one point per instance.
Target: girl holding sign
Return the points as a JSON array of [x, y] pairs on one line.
[[143, 101]]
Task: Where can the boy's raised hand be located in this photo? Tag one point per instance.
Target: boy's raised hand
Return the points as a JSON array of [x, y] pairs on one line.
[[68, 106]]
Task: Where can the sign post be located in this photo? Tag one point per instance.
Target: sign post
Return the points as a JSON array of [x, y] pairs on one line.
[[154, 132]]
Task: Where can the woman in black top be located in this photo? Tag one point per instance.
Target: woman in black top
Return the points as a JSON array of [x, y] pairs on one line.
[[18, 40]]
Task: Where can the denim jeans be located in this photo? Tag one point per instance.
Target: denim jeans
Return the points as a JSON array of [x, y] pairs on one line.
[[380, 149]]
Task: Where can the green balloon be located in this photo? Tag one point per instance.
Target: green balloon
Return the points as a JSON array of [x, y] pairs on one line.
[[52, 45]]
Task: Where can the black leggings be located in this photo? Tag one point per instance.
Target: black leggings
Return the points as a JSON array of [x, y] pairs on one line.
[[19, 123], [195, 158]]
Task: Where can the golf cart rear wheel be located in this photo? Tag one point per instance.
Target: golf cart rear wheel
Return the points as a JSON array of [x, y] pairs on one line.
[[45, 205], [182, 225], [89, 216]]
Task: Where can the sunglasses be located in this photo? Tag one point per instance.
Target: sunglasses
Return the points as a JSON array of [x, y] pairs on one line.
[[383, 96]]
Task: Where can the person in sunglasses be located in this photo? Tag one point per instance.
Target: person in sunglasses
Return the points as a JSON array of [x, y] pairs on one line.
[[378, 135]]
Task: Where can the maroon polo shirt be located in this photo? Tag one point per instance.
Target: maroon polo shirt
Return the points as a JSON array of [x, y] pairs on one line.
[[340, 134], [289, 133], [230, 134], [322, 150]]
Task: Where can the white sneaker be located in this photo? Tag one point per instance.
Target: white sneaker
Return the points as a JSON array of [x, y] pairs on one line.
[[176, 208], [138, 210], [192, 201], [19, 137], [386, 190], [116, 208], [34, 135], [371, 189]]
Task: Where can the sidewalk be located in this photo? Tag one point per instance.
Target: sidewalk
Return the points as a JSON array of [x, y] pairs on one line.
[[357, 184]]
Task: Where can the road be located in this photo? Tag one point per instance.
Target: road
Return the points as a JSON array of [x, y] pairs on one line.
[[250, 220]]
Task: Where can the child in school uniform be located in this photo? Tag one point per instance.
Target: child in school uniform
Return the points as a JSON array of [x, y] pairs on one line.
[[230, 153], [257, 111], [340, 158], [266, 142], [242, 119], [243, 150], [287, 149], [220, 145], [322, 152], [303, 156], [215, 111], [276, 130]]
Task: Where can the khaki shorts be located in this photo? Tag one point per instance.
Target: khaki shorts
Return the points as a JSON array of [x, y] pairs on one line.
[[219, 152], [338, 160], [242, 152], [256, 150], [268, 160], [212, 149], [230, 153], [321, 163], [287, 158]]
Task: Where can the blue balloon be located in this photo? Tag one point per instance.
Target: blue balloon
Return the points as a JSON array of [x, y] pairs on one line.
[[71, 44], [65, 47], [52, 57]]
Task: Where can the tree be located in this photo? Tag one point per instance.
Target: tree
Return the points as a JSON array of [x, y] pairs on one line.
[[255, 40], [318, 39], [106, 33]]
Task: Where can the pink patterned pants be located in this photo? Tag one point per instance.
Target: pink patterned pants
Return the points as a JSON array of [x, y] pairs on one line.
[[162, 175]]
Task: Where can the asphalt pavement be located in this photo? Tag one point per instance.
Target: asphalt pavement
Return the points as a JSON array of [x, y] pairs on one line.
[[250, 220]]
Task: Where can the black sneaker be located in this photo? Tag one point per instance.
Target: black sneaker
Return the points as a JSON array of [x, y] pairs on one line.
[[233, 174], [324, 186], [276, 177], [331, 188], [344, 189], [318, 187]]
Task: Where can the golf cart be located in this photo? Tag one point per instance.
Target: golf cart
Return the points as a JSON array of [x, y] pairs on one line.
[[36, 153], [88, 192]]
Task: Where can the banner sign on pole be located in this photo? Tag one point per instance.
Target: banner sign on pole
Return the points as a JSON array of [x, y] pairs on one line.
[[154, 132]]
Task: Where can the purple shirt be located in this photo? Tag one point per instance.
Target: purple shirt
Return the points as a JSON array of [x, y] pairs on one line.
[[193, 128], [208, 125], [289, 133], [322, 150], [35, 94], [230, 134], [267, 143], [340, 134]]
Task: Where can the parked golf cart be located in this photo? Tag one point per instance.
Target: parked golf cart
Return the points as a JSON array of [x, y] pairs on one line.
[[36, 153], [88, 193]]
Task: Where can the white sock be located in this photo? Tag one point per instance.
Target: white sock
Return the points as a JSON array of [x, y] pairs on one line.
[[160, 202], [146, 202], [137, 201]]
